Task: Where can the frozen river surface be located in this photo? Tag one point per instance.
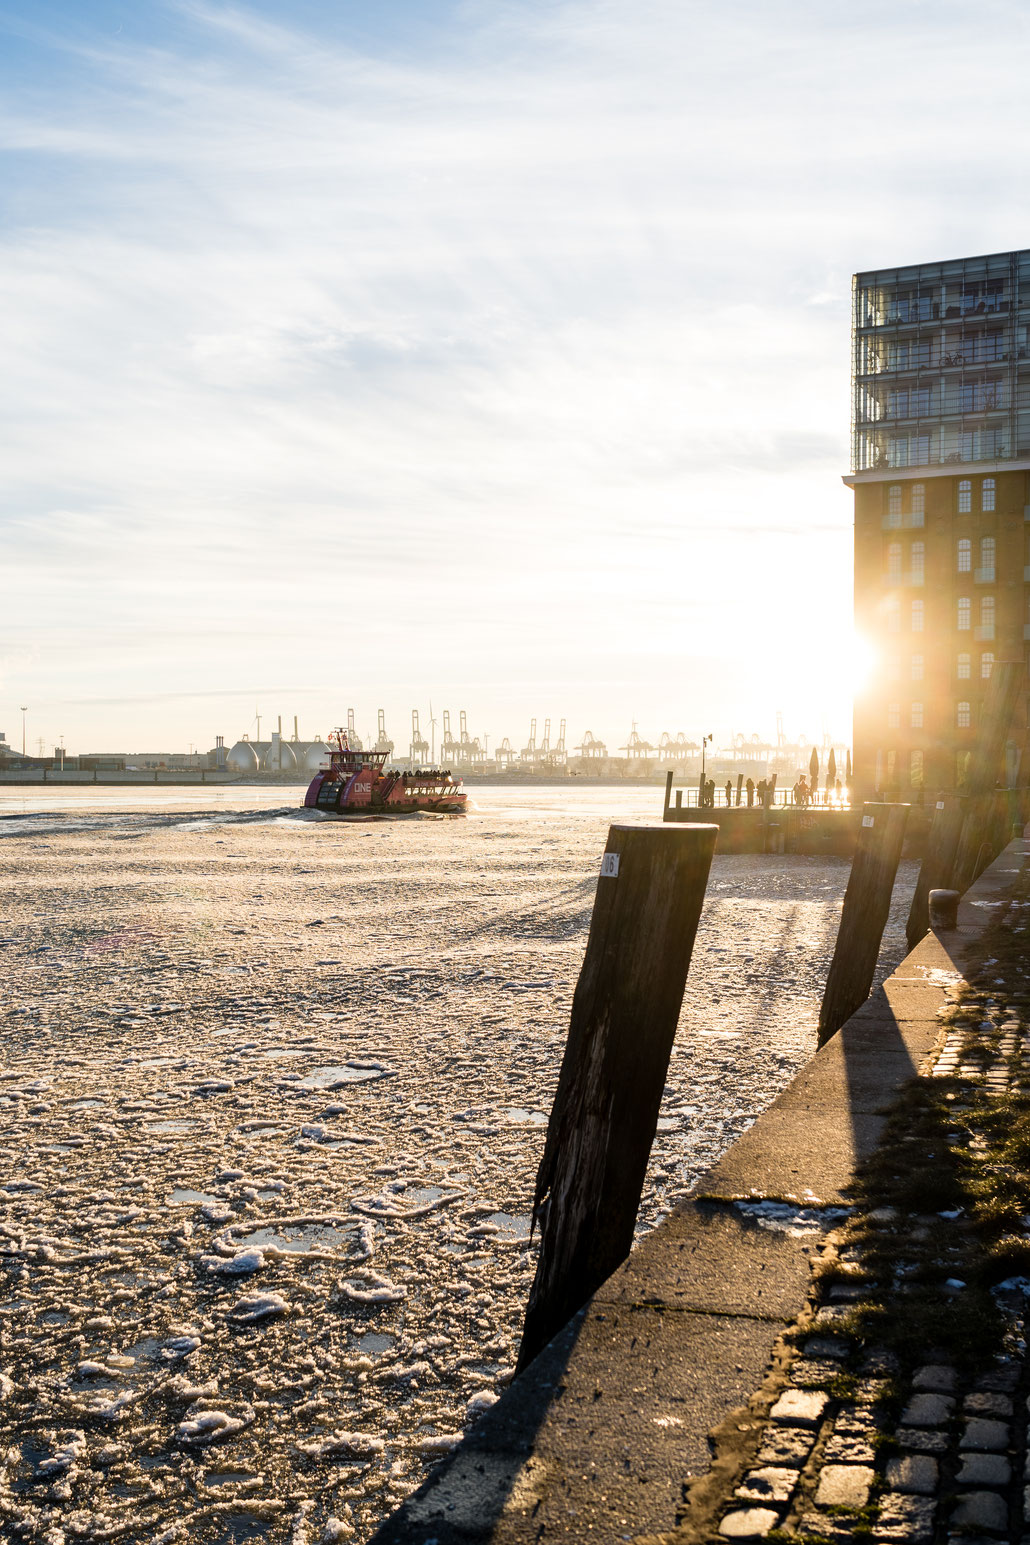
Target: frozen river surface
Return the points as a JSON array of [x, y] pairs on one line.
[[273, 1096]]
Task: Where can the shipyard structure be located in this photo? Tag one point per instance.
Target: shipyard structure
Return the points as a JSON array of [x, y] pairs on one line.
[[941, 476]]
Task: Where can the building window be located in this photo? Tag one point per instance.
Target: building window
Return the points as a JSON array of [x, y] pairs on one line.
[[917, 716], [962, 716], [965, 555], [965, 496], [918, 563], [893, 715], [986, 572], [917, 616], [963, 622], [918, 503], [987, 494], [893, 614], [917, 667], [894, 504], [987, 616], [962, 670], [986, 666], [894, 563], [915, 769]]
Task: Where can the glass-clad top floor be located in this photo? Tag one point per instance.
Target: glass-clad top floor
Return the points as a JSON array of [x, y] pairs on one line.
[[941, 367]]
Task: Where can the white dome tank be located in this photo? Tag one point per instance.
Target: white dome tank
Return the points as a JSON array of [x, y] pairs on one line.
[[314, 756], [279, 757], [244, 756]]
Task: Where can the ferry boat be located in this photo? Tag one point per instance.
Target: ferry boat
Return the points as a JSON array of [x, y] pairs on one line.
[[357, 783]]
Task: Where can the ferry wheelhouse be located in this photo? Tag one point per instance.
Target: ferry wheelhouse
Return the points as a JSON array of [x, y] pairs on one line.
[[358, 783]]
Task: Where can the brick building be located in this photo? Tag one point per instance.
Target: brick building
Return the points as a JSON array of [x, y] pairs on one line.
[[941, 475]]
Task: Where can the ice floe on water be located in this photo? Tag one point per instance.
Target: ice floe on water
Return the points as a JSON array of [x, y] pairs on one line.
[[271, 1105]]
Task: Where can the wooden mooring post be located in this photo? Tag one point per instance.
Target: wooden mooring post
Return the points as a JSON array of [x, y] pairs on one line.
[[867, 901], [938, 862], [624, 1015]]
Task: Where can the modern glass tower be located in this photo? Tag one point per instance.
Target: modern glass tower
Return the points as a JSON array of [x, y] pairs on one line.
[[941, 474]]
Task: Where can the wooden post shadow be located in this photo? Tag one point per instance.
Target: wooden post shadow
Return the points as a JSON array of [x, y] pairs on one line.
[[624, 1015]]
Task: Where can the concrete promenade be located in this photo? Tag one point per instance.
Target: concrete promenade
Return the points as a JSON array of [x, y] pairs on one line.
[[811, 1343]]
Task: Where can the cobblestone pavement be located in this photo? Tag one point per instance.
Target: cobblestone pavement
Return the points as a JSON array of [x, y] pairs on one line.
[[904, 1412]]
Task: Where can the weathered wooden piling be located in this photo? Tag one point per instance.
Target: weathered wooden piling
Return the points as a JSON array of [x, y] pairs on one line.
[[938, 862], [867, 902], [624, 1015]]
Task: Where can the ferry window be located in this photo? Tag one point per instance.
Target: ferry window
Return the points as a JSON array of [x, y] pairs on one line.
[[965, 555], [917, 716], [917, 667], [894, 563], [986, 666], [917, 616], [963, 613], [963, 716], [965, 496], [987, 494], [918, 503], [986, 559], [962, 671], [918, 559], [893, 715]]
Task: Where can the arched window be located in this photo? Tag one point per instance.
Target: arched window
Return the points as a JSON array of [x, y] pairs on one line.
[[985, 573], [893, 715], [917, 716], [894, 563], [987, 494], [962, 669], [917, 667], [918, 569], [965, 555], [986, 666], [986, 616], [963, 621], [962, 716], [918, 503], [965, 496], [894, 504], [917, 616]]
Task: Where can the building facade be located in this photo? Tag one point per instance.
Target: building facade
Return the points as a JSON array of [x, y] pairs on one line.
[[941, 476]]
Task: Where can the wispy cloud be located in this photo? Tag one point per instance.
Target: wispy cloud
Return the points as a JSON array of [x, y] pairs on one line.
[[531, 344]]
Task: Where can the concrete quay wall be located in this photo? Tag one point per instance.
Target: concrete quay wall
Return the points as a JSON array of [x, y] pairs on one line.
[[603, 1433]]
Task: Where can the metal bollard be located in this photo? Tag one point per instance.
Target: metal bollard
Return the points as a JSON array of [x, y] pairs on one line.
[[943, 907]]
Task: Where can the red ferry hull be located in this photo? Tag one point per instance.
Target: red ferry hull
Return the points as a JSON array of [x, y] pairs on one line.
[[356, 783]]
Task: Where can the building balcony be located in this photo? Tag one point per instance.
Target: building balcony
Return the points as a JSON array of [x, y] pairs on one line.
[[983, 632], [984, 576]]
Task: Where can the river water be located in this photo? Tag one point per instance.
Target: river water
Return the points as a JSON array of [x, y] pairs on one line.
[[273, 1097]]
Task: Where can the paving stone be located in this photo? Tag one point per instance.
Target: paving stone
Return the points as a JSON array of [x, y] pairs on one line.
[[833, 1314], [767, 1485], [981, 1510], [813, 1372], [905, 1518], [787, 1446], [934, 1378], [987, 1404], [826, 1346], [984, 1470], [869, 1391], [1026, 1503], [1003, 1378], [828, 1527], [857, 1421], [844, 1485], [842, 1449], [749, 1523], [985, 1435], [799, 1407], [927, 1411], [913, 1473], [922, 1441]]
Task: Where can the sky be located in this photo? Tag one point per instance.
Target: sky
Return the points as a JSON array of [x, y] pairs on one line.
[[492, 356]]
